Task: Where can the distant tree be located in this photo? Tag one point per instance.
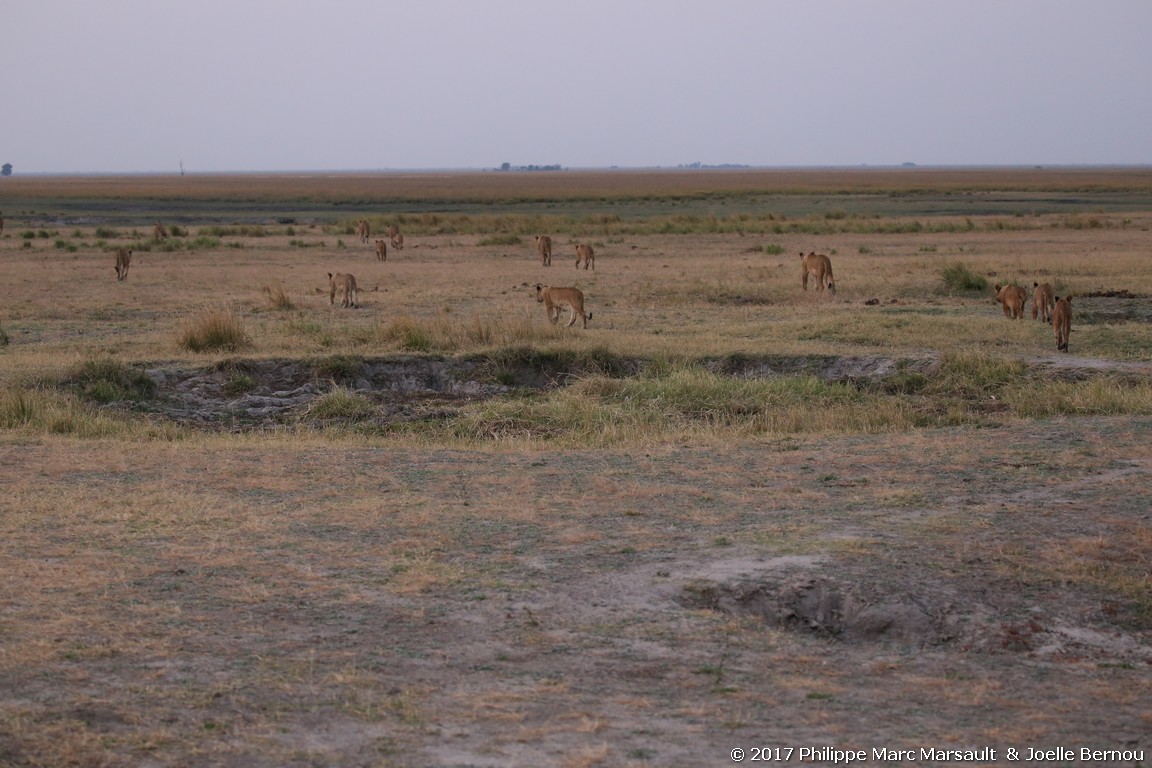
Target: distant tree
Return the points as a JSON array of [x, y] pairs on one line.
[[506, 166], [6, 169]]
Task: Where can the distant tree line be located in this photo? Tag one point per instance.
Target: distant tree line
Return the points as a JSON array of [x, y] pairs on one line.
[[510, 167]]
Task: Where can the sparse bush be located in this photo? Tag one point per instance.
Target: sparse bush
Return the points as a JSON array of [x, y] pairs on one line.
[[343, 405], [241, 383], [107, 233], [338, 367], [409, 334], [958, 278], [106, 380], [500, 240], [278, 298], [214, 330], [204, 242], [773, 249]]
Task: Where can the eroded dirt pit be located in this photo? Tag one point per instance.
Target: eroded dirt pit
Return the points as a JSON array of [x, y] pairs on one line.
[[264, 393]]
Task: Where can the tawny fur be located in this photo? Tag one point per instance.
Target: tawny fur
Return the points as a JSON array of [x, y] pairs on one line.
[[818, 266], [1062, 322], [544, 248], [1011, 298], [556, 298], [123, 261], [394, 235], [1042, 302], [584, 253], [346, 285]]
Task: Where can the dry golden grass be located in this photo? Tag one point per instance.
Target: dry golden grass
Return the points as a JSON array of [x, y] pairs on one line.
[[329, 596]]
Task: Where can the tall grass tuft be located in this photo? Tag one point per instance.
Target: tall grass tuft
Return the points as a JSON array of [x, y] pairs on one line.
[[958, 278], [106, 380], [341, 404], [62, 414], [215, 330], [410, 335], [278, 298]]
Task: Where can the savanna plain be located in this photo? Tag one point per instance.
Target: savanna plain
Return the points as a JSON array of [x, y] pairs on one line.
[[241, 525]]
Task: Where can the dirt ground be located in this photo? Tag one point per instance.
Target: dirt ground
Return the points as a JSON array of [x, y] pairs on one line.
[[495, 608]]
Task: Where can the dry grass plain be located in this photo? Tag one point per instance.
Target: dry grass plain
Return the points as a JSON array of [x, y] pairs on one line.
[[729, 514]]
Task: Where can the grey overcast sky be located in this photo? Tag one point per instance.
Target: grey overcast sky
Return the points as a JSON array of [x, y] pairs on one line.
[[277, 85]]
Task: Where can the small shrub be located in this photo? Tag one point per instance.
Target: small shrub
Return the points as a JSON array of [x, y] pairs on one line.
[[278, 298], [3, 337], [341, 404], [500, 240], [214, 330], [204, 242], [338, 367], [107, 233], [409, 334], [106, 380], [959, 279], [773, 249], [240, 384]]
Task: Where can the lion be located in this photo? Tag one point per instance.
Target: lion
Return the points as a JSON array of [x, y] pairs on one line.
[[587, 255], [1062, 321], [555, 299], [160, 232], [395, 236], [544, 248], [820, 267], [1011, 298], [346, 285], [364, 230], [1042, 301], [381, 250], [123, 261]]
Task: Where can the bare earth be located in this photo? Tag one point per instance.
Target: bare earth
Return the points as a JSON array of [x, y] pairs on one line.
[[591, 607]]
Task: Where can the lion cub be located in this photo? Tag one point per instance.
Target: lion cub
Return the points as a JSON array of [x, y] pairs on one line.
[[346, 285], [1062, 322], [1042, 301], [556, 298], [1011, 298], [123, 261], [820, 267]]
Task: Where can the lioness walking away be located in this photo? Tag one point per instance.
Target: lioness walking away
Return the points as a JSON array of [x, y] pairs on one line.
[[1011, 298], [818, 266], [587, 255], [381, 250], [346, 285], [1062, 322], [556, 298], [1042, 302], [123, 261], [544, 248], [396, 237]]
